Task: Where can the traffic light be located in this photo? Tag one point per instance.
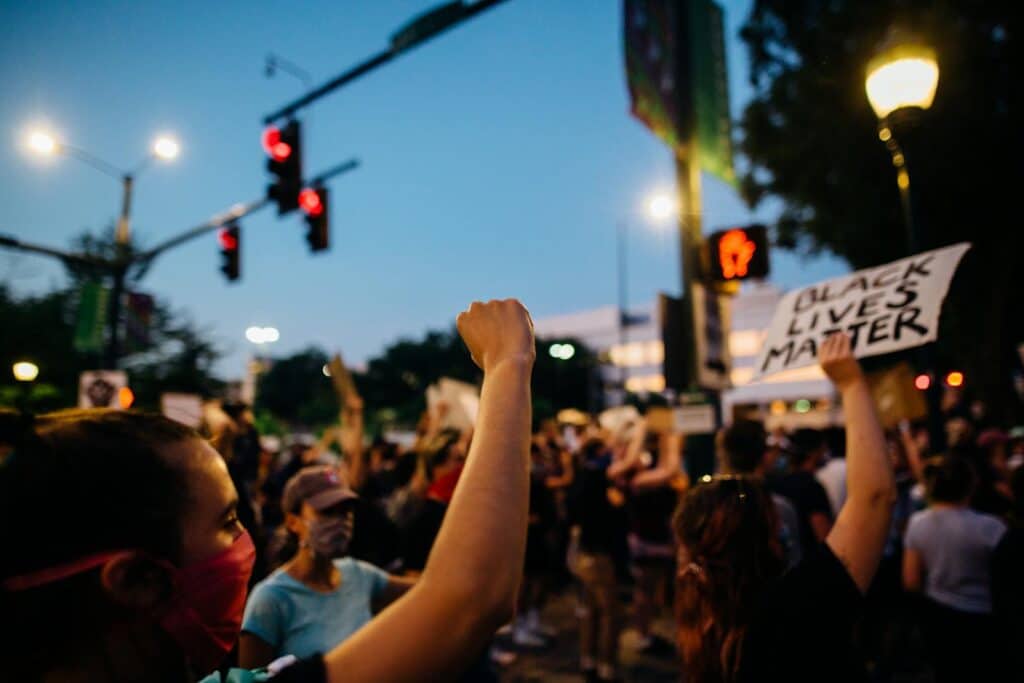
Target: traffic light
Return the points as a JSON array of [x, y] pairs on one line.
[[314, 204], [284, 147], [739, 253], [230, 240]]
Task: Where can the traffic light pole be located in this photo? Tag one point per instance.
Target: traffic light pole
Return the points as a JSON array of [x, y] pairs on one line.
[[117, 268], [419, 30]]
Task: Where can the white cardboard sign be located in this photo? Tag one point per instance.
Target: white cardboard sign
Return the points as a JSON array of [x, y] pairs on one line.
[[184, 408], [100, 388], [883, 309]]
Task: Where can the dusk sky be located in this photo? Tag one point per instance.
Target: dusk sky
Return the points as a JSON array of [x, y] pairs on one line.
[[496, 160]]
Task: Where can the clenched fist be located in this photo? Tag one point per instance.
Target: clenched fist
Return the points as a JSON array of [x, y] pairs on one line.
[[837, 360], [497, 331]]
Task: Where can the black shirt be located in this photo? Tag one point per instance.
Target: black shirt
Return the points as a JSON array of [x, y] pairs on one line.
[[803, 629], [808, 497], [600, 525]]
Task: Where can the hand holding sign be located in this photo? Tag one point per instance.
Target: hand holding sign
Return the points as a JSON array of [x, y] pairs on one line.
[[837, 360]]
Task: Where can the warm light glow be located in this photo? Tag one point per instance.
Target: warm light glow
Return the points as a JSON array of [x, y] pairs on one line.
[[903, 179], [744, 343], [955, 379], [906, 76], [262, 335], [735, 250], [42, 142], [25, 371], [778, 407], [636, 354], [662, 206], [653, 383], [562, 351], [922, 382], [326, 370], [166, 147], [125, 397]]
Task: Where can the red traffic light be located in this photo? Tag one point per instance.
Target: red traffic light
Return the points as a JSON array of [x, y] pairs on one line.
[[735, 251], [228, 240], [310, 202], [922, 382], [273, 145]]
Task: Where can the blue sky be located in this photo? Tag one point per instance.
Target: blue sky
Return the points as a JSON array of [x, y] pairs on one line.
[[496, 160]]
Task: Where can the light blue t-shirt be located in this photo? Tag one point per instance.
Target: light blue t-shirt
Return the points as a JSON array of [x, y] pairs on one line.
[[956, 547], [297, 620]]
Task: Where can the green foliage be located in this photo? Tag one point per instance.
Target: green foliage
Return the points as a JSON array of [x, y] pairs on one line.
[[296, 391], [811, 139]]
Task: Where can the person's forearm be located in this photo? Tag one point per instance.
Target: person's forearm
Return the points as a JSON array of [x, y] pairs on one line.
[[869, 474], [913, 455], [480, 547]]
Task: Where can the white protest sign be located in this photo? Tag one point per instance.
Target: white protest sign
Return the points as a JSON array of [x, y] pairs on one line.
[[883, 309], [101, 388], [184, 408], [699, 419], [462, 401]]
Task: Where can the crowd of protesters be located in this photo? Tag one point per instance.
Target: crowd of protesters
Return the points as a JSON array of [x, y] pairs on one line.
[[140, 552]]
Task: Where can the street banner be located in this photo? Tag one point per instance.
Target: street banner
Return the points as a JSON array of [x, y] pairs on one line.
[[138, 317], [184, 408], [883, 309], [677, 78], [91, 321], [101, 388], [652, 68], [710, 82]]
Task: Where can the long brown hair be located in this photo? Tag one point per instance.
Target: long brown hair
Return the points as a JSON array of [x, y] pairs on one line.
[[728, 529]]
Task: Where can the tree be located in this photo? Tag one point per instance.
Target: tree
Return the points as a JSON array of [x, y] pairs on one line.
[[811, 139], [296, 390]]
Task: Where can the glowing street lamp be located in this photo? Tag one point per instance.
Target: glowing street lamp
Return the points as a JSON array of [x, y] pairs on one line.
[[25, 371], [662, 206], [165, 147], [262, 335], [902, 76], [42, 142]]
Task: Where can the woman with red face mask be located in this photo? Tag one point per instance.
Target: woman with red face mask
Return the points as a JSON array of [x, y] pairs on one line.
[[124, 560]]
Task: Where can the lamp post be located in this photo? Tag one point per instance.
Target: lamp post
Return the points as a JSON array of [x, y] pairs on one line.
[[164, 148], [659, 207], [25, 372], [900, 84]]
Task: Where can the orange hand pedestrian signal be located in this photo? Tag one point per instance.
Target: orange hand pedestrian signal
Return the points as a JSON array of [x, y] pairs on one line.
[[739, 253], [734, 253]]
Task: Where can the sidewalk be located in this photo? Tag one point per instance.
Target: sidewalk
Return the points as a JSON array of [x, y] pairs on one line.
[[559, 663]]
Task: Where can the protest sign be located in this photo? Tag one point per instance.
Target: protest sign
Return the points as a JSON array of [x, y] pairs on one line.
[[895, 395], [184, 408], [341, 378], [883, 309], [461, 401], [102, 389]]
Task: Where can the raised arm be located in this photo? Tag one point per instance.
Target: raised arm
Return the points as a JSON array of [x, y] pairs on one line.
[[670, 465], [469, 585], [858, 536]]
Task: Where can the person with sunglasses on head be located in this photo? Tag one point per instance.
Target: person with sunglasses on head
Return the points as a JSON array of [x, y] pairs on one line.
[[125, 560], [320, 596], [741, 617]]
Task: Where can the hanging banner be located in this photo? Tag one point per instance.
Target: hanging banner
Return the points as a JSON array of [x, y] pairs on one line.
[[652, 68], [883, 309], [91, 321]]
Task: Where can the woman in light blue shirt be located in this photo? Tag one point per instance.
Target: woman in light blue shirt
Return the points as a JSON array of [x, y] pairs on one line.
[[948, 556], [319, 598]]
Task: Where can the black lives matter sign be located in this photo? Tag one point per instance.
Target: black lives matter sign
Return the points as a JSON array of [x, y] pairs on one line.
[[883, 309]]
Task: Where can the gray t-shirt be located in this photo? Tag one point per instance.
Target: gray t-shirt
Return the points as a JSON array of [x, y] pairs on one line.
[[956, 547]]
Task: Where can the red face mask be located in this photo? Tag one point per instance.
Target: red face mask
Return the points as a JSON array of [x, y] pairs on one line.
[[203, 615]]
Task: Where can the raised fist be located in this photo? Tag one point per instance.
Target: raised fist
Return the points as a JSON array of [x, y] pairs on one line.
[[497, 331]]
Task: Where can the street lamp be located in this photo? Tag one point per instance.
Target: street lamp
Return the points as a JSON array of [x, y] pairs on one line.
[[25, 371], [659, 208], [900, 83], [165, 147]]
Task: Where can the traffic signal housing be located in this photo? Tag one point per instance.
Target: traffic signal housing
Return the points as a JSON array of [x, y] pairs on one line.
[[230, 240], [313, 201], [739, 253], [284, 149]]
